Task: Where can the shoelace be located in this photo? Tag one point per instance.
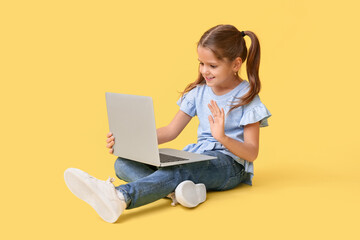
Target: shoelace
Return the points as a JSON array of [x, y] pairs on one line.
[[173, 198], [110, 180]]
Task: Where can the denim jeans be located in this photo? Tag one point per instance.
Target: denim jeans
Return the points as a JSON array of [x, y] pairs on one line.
[[147, 183]]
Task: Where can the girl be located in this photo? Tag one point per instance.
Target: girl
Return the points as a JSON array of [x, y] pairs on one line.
[[230, 113]]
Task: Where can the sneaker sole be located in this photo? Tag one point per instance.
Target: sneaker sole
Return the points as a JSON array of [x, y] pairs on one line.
[[74, 180]]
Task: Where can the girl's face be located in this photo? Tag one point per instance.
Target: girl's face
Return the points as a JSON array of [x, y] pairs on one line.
[[218, 74]]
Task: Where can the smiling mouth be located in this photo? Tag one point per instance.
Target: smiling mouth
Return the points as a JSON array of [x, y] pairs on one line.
[[209, 79]]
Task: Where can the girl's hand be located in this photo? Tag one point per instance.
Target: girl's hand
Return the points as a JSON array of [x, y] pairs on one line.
[[217, 121], [111, 141]]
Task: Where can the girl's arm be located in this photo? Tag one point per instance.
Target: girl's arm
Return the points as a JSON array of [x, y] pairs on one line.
[[171, 131], [248, 149]]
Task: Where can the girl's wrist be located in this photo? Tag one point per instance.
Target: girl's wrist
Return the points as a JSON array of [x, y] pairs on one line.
[[222, 139]]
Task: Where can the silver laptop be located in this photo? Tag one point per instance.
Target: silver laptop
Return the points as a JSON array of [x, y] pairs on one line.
[[132, 122]]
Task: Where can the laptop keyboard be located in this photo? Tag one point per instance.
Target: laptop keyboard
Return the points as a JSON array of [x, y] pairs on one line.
[[167, 158]]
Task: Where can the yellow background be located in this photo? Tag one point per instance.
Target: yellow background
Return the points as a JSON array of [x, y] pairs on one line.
[[58, 58]]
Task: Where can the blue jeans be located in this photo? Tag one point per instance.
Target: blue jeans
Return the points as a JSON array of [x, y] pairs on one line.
[[147, 183]]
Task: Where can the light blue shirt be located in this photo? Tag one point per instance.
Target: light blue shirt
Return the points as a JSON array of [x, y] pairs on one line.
[[195, 103]]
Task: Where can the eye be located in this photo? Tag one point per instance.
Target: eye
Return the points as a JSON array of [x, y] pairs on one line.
[[213, 66], [201, 63]]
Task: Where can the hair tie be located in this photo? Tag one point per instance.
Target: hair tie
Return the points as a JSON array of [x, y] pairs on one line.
[[243, 34]]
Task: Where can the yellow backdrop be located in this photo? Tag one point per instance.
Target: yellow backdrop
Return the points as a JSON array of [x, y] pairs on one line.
[[58, 58]]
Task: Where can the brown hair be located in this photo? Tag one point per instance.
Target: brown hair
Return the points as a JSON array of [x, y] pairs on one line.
[[226, 41]]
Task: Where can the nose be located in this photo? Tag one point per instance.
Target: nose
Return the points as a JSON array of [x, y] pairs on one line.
[[204, 70]]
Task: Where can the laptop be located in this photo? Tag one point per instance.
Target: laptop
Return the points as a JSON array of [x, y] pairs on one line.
[[132, 122]]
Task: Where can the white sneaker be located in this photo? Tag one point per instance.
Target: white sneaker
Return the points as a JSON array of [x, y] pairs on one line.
[[189, 194], [101, 195]]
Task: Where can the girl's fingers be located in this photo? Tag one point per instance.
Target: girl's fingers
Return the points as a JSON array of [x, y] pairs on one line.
[[110, 144], [215, 104], [211, 120], [214, 108], [110, 139], [211, 109], [217, 108]]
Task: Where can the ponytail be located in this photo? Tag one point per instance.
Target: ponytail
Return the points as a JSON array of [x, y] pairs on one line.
[[252, 69]]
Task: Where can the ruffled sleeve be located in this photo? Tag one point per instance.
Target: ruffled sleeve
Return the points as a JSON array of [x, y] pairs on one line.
[[254, 112], [187, 103]]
